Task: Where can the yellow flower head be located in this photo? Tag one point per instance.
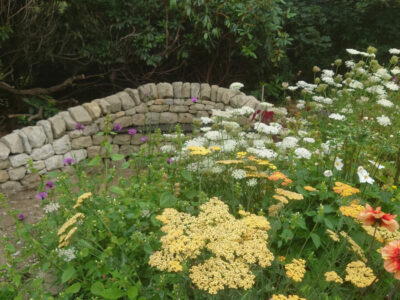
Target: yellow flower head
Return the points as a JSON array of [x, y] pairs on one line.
[[70, 222], [214, 148], [241, 155], [289, 297], [310, 188], [353, 210], [344, 190], [289, 194], [359, 274], [332, 276], [229, 162], [296, 269], [334, 237], [80, 199], [281, 198]]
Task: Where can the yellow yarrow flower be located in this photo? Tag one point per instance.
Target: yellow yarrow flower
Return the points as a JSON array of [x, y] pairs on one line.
[[70, 222], [274, 209], [310, 188], [214, 148], [332, 276], [359, 274], [229, 162], [80, 199], [289, 194], [344, 189], [296, 269], [353, 210], [334, 237], [289, 297], [354, 246], [241, 155], [281, 198]]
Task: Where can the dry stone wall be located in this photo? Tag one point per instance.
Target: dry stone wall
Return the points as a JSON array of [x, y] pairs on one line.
[[51, 141]]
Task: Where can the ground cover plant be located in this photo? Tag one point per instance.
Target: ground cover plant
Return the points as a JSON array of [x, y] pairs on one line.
[[298, 201]]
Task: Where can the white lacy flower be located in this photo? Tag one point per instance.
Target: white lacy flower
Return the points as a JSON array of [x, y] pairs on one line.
[[384, 121], [395, 70], [263, 153], [350, 64], [376, 89], [264, 128], [394, 51], [328, 73], [197, 141], [328, 173], [243, 111], [328, 80], [51, 207], [338, 117], [356, 84], [292, 88], [289, 142], [205, 129], [222, 114], [309, 140], [228, 145], [302, 153], [338, 164], [385, 103], [252, 182], [236, 86], [230, 124], [206, 120], [238, 174], [217, 169], [67, 254], [392, 86], [321, 99], [353, 51], [215, 135], [383, 73], [279, 111], [168, 149]]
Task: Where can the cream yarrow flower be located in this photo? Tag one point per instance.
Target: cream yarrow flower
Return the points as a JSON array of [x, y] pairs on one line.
[[296, 269]]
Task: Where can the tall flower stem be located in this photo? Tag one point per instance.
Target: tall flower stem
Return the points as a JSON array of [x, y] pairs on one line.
[[393, 292], [372, 243]]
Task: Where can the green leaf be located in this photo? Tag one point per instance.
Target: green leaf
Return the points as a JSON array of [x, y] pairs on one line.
[[94, 161], [112, 293], [68, 274], [73, 288], [125, 165], [186, 175], [10, 248], [97, 288], [117, 156], [132, 292], [167, 200], [53, 174], [117, 190], [316, 240], [108, 147]]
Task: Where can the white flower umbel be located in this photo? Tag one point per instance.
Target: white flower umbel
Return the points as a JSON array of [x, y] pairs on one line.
[[264, 128], [289, 142], [238, 174], [363, 176], [353, 51], [385, 103], [206, 120], [337, 117], [252, 182], [197, 141], [384, 121], [328, 173], [392, 86], [263, 153], [394, 51], [205, 129], [338, 164], [309, 140], [350, 64], [302, 153], [236, 86], [395, 71], [51, 207], [67, 254]]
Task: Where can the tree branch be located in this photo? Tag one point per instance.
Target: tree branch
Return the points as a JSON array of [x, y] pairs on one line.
[[39, 115], [41, 91]]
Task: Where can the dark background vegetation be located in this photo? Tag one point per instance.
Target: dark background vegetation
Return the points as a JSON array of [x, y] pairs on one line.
[[55, 54]]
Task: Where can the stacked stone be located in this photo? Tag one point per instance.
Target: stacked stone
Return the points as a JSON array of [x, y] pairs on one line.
[[51, 141]]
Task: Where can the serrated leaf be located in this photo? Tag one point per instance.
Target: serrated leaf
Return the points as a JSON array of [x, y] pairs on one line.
[[186, 175], [68, 274], [73, 288], [97, 288], [167, 200], [125, 165], [112, 293], [117, 156], [316, 240], [117, 190], [94, 161], [132, 292]]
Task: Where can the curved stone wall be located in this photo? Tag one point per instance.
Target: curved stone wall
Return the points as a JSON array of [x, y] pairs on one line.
[[51, 141]]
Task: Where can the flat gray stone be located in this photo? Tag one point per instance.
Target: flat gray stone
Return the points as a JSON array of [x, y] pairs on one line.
[[122, 139], [54, 162], [93, 109], [104, 105], [220, 93], [152, 118], [126, 101], [205, 91], [25, 141], [177, 88], [36, 135], [165, 90], [130, 112], [168, 118], [98, 139], [4, 151], [125, 121], [219, 106], [115, 103], [127, 150], [185, 118], [142, 108], [80, 115], [77, 155], [13, 142], [138, 120], [17, 173], [75, 134], [58, 126], [179, 101], [3, 176], [91, 129], [117, 115], [19, 160], [186, 90], [252, 102], [31, 180], [70, 123], [43, 152], [10, 187], [148, 92], [202, 113], [238, 100], [62, 145], [47, 130], [179, 108], [93, 151], [195, 90], [38, 165], [137, 139], [159, 108], [4, 164], [214, 92], [134, 95], [198, 106], [227, 95], [82, 142]]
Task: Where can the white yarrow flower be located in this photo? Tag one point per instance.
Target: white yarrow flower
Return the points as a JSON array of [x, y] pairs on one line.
[[353, 51], [238, 174], [338, 117], [252, 182], [236, 86], [302, 153], [206, 120], [394, 51], [392, 86], [51, 207], [67, 254], [384, 121], [385, 103]]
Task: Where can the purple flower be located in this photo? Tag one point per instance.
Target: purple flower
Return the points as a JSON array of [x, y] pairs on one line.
[[146, 93], [169, 160], [41, 195], [50, 184], [79, 126], [194, 99], [395, 79], [144, 139], [68, 161], [117, 127], [132, 131], [21, 217]]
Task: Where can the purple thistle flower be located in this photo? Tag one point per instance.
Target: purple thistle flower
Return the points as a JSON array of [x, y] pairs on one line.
[[79, 126], [50, 184], [117, 127], [395, 79], [21, 217], [68, 161], [194, 99], [144, 139], [132, 131], [41, 195], [169, 160]]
